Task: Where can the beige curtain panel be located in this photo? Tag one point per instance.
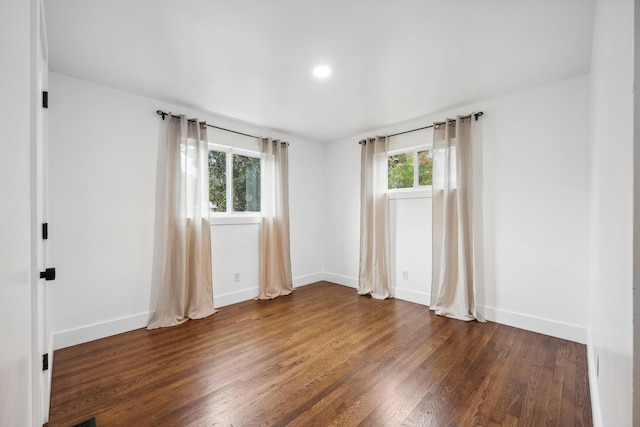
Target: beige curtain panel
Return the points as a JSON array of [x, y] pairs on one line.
[[275, 257], [453, 284], [374, 277], [183, 236]]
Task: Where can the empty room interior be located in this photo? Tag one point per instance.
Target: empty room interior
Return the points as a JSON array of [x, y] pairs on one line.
[[319, 213]]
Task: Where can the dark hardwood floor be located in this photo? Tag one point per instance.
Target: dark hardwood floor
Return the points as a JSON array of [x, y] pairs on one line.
[[323, 356]]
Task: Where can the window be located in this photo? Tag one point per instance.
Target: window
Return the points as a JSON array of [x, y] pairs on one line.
[[412, 169], [234, 180]]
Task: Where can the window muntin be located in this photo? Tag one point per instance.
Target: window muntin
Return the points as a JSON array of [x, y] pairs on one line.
[[234, 180]]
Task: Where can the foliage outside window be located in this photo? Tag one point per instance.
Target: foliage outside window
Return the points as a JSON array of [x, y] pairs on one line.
[[425, 167], [246, 183], [217, 181], [411, 169], [234, 182]]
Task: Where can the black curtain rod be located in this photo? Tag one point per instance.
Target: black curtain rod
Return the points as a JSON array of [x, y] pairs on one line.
[[475, 115], [163, 114]]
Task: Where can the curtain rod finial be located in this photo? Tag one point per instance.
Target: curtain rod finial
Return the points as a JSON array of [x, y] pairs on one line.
[[478, 114], [161, 113]]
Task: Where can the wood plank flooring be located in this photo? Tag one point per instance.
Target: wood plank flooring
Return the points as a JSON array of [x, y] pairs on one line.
[[323, 356]]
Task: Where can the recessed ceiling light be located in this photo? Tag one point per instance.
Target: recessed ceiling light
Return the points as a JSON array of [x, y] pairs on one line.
[[322, 71]]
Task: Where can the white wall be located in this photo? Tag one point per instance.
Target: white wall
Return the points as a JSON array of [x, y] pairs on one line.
[[236, 239], [536, 185], [536, 194], [103, 156], [410, 222], [611, 280], [15, 226], [342, 210]]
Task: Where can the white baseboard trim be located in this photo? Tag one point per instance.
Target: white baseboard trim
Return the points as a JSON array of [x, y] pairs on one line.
[[505, 317], [412, 296], [307, 280], [553, 328], [250, 293], [235, 297], [338, 279], [100, 330], [540, 325], [108, 328]]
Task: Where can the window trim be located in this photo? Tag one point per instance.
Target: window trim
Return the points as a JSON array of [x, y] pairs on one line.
[[236, 218], [231, 217], [411, 193], [417, 191]]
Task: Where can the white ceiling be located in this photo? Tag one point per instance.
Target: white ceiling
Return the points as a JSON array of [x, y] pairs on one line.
[[252, 59]]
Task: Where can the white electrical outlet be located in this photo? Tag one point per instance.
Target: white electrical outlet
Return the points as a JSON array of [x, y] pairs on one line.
[[236, 277], [405, 275]]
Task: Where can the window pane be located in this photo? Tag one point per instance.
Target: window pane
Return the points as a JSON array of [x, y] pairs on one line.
[[401, 170], [217, 181], [246, 184], [425, 167]]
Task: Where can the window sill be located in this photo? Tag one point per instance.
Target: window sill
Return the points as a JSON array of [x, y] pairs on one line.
[[410, 194], [234, 219]]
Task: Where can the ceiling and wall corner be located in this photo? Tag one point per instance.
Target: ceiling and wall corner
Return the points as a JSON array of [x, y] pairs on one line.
[[253, 60]]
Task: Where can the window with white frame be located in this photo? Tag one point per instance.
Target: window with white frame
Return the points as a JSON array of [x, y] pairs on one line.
[[234, 180], [410, 169]]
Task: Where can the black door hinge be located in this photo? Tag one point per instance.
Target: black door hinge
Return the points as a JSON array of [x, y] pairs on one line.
[[45, 99], [48, 274], [45, 361], [45, 231]]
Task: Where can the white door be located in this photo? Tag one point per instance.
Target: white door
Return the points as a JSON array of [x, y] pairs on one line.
[[40, 307]]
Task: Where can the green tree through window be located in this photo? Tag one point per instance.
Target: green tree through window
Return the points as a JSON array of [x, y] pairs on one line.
[[244, 173], [246, 184], [425, 167], [401, 169], [218, 181], [400, 173]]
